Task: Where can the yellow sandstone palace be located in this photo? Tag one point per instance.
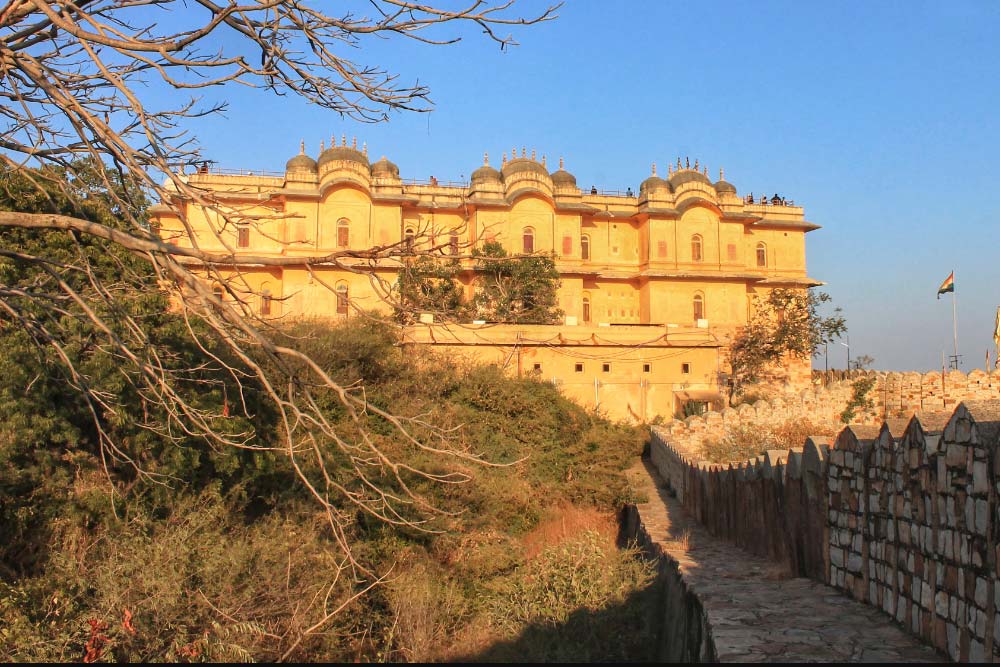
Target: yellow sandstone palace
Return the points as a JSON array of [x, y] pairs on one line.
[[653, 283]]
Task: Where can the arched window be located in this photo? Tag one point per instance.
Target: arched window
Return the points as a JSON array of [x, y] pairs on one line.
[[567, 248], [585, 247], [243, 236], [342, 298], [699, 307], [343, 233], [761, 254], [528, 241], [453, 243], [265, 301], [696, 255], [586, 308], [408, 237]]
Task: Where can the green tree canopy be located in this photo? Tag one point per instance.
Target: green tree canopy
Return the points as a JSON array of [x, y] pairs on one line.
[[516, 290], [786, 322], [430, 284]]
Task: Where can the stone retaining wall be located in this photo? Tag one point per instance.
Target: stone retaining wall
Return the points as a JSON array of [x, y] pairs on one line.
[[895, 396], [902, 516], [683, 632]]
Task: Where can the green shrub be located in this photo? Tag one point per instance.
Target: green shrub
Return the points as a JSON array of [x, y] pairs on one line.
[[230, 559], [860, 400]]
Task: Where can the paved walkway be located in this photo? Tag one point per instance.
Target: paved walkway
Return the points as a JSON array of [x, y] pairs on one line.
[[756, 612]]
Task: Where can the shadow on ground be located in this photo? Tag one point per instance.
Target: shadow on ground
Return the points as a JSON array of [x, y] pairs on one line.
[[621, 633]]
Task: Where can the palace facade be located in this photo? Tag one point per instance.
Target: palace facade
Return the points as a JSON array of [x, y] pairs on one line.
[[653, 283]]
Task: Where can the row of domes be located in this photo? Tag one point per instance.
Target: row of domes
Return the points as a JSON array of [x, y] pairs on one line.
[[516, 165]]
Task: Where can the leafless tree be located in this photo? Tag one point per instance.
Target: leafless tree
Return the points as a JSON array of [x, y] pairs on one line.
[[76, 77]]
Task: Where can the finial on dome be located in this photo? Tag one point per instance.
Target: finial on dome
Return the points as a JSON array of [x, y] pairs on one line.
[[302, 147], [705, 171], [654, 169], [343, 140], [513, 153], [354, 143], [678, 165], [722, 174], [687, 163], [696, 164], [670, 169], [560, 162], [543, 162], [533, 154], [364, 148], [524, 152], [504, 163], [322, 146], [486, 159]]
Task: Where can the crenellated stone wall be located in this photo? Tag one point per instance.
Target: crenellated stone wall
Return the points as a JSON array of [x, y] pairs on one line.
[[896, 396], [903, 516], [904, 394]]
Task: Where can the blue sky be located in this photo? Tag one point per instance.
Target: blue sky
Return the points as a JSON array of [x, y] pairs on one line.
[[880, 118]]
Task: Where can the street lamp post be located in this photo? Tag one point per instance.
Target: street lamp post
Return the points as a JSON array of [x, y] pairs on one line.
[[848, 346]]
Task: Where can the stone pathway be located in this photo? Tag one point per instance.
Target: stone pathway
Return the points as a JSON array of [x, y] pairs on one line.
[[757, 612]]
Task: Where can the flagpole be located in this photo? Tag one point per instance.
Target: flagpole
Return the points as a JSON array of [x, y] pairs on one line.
[[954, 324]]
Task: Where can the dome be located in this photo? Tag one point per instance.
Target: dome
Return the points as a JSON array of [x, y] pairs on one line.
[[654, 183], [385, 169], [486, 174], [521, 165], [563, 178], [725, 186], [301, 162], [342, 153], [688, 176]]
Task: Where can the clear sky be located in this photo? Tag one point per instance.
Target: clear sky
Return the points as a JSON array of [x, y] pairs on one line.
[[881, 119]]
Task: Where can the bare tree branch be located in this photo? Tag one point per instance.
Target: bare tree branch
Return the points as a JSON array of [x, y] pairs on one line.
[[79, 126]]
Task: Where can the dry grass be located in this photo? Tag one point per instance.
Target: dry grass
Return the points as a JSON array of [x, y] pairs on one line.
[[566, 522], [749, 440]]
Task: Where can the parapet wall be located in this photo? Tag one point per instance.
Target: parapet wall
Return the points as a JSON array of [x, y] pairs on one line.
[[902, 516], [894, 395]]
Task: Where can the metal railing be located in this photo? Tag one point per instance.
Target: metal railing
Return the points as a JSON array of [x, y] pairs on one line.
[[222, 171], [434, 183]]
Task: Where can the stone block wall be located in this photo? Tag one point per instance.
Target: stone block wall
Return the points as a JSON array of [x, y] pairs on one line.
[[904, 394], [895, 396], [905, 518], [912, 523]]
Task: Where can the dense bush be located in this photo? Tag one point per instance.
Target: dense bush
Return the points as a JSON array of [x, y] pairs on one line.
[[225, 558]]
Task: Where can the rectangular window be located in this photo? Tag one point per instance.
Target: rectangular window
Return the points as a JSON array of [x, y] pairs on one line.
[[265, 304], [686, 368], [537, 367], [243, 236], [343, 236], [606, 368], [646, 368], [731, 252], [578, 368], [567, 246], [661, 248]]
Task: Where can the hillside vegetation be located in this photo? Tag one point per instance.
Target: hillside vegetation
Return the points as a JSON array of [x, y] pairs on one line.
[[221, 555]]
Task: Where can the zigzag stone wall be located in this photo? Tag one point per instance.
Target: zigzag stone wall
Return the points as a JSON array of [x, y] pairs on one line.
[[903, 516]]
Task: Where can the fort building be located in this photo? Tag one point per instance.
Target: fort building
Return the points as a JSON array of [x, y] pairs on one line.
[[653, 283]]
